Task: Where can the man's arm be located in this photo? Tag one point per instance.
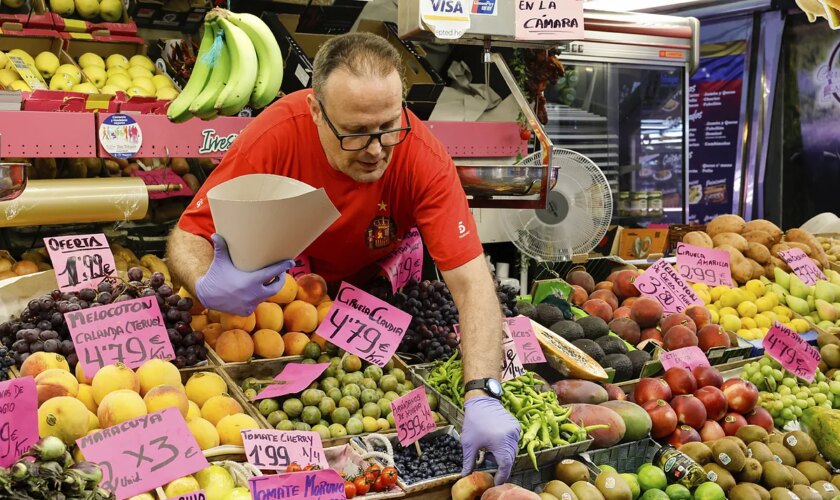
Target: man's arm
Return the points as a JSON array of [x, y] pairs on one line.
[[480, 319], [189, 257]]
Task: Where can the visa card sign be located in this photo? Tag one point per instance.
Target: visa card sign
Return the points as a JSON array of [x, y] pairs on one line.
[[447, 19]]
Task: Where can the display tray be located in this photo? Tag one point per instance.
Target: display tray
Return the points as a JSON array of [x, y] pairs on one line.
[[627, 457], [347, 460]]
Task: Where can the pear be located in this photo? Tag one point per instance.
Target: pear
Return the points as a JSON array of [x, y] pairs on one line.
[[833, 276], [779, 290], [825, 325], [797, 305], [798, 288], [87, 9], [764, 280], [826, 311], [836, 289], [812, 304], [824, 291], [111, 10], [782, 278]]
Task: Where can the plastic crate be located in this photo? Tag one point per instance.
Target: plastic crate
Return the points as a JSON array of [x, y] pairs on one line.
[[625, 457]]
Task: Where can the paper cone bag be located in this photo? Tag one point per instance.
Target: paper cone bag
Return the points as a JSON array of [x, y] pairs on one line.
[[268, 218]]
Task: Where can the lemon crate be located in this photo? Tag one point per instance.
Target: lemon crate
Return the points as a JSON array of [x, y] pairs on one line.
[[232, 458], [625, 457]]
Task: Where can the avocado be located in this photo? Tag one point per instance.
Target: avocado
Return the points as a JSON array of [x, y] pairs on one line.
[[775, 475], [621, 364], [571, 471], [612, 345], [782, 454], [569, 330], [548, 314], [638, 357], [813, 471], [750, 433], [743, 492], [698, 452], [613, 486], [805, 492], [760, 452], [801, 445], [717, 474], [592, 349], [798, 477], [593, 327], [728, 455], [526, 309], [751, 473], [587, 490]]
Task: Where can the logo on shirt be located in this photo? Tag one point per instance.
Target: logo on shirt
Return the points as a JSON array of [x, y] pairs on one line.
[[381, 232]]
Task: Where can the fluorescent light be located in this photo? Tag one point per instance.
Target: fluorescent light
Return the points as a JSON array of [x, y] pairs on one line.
[[635, 5]]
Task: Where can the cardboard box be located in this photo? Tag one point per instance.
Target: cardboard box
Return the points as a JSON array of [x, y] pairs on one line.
[[124, 27], [181, 15], [33, 42], [102, 43], [31, 15]]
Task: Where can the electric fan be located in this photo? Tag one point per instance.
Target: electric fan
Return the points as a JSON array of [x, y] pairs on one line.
[[578, 213]]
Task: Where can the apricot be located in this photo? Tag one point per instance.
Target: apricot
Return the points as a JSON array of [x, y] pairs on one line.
[[7, 274], [287, 293], [211, 333], [167, 396], [214, 316], [234, 322], [234, 346], [268, 343], [295, 342], [311, 288], [269, 316], [300, 316], [198, 322], [323, 308], [54, 383], [41, 361]]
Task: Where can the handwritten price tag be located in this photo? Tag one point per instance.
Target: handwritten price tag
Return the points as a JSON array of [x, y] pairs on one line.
[[412, 416], [292, 379], [548, 19], [194, 495], [788, 348], [527, 346], [18, 418], [661, 282], [130, 332], [323, 484], [163, 176], [141, 454], [704, 265], [364, 325], [80, 261], [275, 450], [802, 265], [687, 357], [302, 267], [405, 262]]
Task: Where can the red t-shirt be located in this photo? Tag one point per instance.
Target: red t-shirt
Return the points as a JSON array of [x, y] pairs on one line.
[[419, 187]]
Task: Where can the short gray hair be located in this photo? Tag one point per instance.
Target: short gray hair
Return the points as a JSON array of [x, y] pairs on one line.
[[362, 54]]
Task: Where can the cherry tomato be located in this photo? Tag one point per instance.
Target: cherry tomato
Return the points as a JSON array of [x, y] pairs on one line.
[[349, 489], [525, 134], [390, 476], [374, 467], [293, 467], [379, 485], [362, 485]]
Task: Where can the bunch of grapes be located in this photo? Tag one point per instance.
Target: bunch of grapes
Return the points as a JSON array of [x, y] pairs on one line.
[[507, 298], [430, 334]]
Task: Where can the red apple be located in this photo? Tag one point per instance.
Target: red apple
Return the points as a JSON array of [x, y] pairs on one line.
[[662, 417], [762, 418], [683, 434], [711, 430], [615, 392], [680, 380], [732, 422], [741, 395], [690, 410], [714, 401], [707, 375], [651, 389]]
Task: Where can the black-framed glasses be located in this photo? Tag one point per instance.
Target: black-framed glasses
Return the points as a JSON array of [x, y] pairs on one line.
[[361, 140]]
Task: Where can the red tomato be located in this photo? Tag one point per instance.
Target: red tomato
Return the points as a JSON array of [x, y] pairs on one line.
[[374, 467], [362, 485], [525, 134], [379, 485], [390, 476], [349, 489], [293, 467]]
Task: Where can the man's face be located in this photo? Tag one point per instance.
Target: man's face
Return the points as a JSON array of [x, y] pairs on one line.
[[358, 105]]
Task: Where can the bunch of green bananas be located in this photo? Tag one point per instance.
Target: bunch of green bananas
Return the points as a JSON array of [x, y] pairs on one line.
[[827, 9], [238, 63]]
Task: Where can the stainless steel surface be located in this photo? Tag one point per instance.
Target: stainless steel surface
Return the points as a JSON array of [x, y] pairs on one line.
[[503, 180], [13, 178]]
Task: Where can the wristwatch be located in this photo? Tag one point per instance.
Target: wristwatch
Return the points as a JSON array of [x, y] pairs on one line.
[[489, 385]]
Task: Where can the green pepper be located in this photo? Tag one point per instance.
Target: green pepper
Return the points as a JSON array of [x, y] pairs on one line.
[[531, 454], [545, 432], [531, 434], [515, 403]]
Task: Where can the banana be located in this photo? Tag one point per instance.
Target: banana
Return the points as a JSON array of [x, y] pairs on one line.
[[202, 105], [155, 264], [243, 66], [812, 8], [269, 57], [179, 109]]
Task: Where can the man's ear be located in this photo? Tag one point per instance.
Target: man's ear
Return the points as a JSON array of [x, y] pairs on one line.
[[314, 108]]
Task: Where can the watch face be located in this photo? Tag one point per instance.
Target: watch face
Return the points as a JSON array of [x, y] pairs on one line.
[[494, 387]]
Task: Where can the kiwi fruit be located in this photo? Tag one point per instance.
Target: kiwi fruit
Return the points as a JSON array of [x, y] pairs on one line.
[[750, 433], [762, 492], [836, 481], [782, 454], [717, 474], [558, 489], [760, 452], [780, 494], [751, 473], [743, 491], [738, 442], [587, 490], [813, 471], [613, 486], [775, 475], [698, 452], [805, 492], [801, 445], [775, 437], [821, 461], [826, 489], [728, 455], [571, 471], [798, 477]]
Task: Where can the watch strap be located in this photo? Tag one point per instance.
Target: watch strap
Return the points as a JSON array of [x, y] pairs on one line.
[[477, 384]]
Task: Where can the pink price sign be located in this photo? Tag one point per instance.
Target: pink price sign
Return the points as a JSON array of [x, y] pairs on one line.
[[302, 267], [548, 20], [141, 454], [802, 265], [163, 176], [661, 282], [323, 484], [704, 265], [269, 449], [405, 263], [527, 345], [130, 332], [788, 348], [193, 495], [412, 416], [293, 378], [80, 261], [364, 325], [687, 357], [18, 418]]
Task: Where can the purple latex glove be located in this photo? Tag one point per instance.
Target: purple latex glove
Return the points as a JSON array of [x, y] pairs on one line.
[[225, 288], [488, 425]]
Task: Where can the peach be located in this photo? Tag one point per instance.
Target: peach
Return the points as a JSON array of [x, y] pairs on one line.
[[301, 316], [269, 316], [214, 316], [287, 293], [80, 374], [712, 336], [651, 333], [111, 378], [268, 343], [199, 321], [646, 312], [311, 288], [323, 308], [212, 332], [583, 279], [235, 346], [119, 406], [234, 322], [604, 285], [621, 312], [677, 319], [607, 296], [627, 329], [166, 396], [699, 314], [41, 361], [629, 301], [218, 407], [295, 342], [578, 296], [623, 284], [677, 337], [597, 307], [55, 382], [472, 486], [321, 341]]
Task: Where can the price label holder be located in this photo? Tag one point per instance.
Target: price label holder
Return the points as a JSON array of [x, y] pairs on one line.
[[704, 265], [293, 378], [412, 416], [323, 484], [405, 263], [802, 266], [18, 418], [302, 267], [80, 261], [661, 282], [270, 449], [686, 357], [791, 351], [527, 346], [130, 332], [363, 325], [141, 454]]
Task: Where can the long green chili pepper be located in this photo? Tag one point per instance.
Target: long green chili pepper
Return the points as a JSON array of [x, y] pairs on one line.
[[533, 455], [531, 434]]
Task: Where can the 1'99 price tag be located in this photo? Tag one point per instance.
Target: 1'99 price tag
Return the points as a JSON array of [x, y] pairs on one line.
[[270, 449], [80, 261]]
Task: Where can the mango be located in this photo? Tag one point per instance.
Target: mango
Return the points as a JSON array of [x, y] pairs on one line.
[[636, 420]]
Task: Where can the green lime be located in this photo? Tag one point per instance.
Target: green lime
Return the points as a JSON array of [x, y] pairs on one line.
[[307, 361], [311, 351], [678, 492], [285, 425], [652, 477], [276, 417], [355, 426], [607, 468], [654, 494], [323, 430], [337, 431], [399, 374], [388, 383], [340, 415], [709, 491], [633, 483]]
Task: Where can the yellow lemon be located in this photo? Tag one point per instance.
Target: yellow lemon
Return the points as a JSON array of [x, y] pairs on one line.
[[747, 309], [730, 322], [748, 322], [762, 321], [745, 334], [756, 287], [178, 487], [727, 311], [800, 325]]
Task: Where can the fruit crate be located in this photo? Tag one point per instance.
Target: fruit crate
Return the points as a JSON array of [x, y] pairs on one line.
[[232, 458], [599, 268], [625, 457], [232, 390], [347, 460]]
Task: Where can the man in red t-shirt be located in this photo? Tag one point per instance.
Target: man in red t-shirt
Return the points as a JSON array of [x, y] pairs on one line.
[[385, 172]]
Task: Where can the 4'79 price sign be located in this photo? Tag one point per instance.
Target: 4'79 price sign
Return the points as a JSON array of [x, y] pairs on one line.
[[141, 454], [80, 261]]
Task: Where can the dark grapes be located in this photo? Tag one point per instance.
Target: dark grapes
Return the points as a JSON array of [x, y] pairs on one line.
[[135, 274]]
